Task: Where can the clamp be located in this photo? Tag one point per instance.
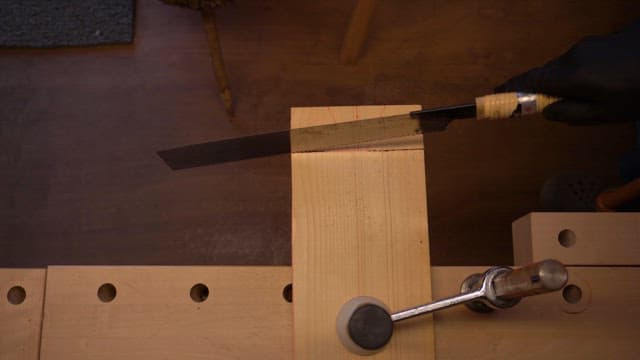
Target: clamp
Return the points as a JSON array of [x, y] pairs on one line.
[[365, 325]]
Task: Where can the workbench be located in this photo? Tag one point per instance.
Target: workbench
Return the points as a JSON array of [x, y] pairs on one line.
[[154, 317]]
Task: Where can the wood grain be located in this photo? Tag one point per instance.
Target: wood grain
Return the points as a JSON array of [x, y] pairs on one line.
[[150, 307], [598, 238], [602, 325], [153, 316], [359, 228], [20, 323]]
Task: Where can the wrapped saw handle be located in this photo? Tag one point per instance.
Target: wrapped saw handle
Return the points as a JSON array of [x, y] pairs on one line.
[[505, 105]]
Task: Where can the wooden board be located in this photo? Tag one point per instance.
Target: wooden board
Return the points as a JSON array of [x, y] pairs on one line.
[[153, 316], [359, 228], [603, 325], [149, 308], [20, 322], [596, 238]]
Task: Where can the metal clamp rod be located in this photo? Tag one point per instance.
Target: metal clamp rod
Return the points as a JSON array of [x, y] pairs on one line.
[[437, 305], [485, 291], [500, 287]]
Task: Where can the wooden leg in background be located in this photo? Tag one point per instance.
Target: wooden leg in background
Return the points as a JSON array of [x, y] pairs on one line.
[[357, 31], [209, 17]]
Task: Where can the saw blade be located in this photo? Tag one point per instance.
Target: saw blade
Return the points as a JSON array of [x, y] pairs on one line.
[[314, 138]]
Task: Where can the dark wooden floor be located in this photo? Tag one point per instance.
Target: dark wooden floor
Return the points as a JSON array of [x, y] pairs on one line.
[[80, 182]]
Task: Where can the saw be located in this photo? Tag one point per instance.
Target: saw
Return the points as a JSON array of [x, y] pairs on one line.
[[334, 136]]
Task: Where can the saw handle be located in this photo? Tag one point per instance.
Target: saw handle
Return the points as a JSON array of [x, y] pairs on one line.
[[506, 105]]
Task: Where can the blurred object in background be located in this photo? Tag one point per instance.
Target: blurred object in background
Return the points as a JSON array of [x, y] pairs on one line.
[[579, 192], [49, 24], [570, 192]]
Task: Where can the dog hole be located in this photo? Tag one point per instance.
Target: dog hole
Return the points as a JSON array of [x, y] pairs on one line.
[[16, 295], [199, 293], [567, 238], [572, 294], [287, 293], [106, 292]]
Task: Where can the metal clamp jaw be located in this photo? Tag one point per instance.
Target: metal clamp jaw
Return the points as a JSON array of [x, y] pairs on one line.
[[484, 282]]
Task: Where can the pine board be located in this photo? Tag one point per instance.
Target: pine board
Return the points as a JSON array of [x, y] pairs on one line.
[[359, 228]]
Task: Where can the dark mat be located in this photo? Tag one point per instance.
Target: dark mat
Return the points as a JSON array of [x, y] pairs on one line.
[[45, 23]]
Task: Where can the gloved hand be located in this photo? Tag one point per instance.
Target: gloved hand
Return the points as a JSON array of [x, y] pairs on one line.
[[598, 79]]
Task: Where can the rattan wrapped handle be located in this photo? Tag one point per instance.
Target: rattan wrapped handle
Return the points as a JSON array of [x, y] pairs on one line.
[[505, 105]]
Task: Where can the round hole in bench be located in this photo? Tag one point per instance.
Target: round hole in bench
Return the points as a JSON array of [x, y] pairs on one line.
[[287, 293], [107, 292], [572, 294], [16, 295], [199, 293], [567, 238]]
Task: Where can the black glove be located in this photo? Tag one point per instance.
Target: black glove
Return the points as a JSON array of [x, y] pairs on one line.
[[598, 79]]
